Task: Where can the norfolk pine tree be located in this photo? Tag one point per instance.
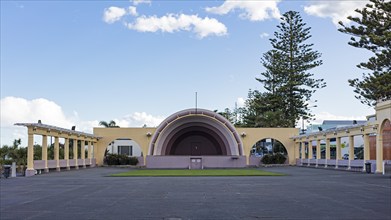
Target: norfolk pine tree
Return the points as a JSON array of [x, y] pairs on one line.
[[289, 84], [372, 32]]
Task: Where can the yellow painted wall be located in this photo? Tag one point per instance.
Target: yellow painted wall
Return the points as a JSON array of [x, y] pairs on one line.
[[253, 135], [139, 135], [108, 135]]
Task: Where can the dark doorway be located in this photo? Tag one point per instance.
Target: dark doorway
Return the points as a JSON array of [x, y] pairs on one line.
[[196, 141], [196, 148]]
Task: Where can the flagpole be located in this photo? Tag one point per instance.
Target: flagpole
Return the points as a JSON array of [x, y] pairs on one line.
[[196, 102]]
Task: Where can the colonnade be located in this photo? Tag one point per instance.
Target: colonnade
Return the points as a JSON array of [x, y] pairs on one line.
[[51, 131], [304, 148]]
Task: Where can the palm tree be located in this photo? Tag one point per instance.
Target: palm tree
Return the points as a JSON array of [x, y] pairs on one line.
[[110, 124]]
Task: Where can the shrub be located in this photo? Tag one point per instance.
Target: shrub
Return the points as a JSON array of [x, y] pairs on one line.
[[120, 159], [267, 159], [133, 160], [112, 159], [277, 158]]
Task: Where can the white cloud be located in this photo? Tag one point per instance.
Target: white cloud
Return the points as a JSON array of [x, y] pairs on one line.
[[240, 102], [113, 14], [263, 35], [252, 10], [336, 10], [171, 23], [139, 119], [15, 110], [133, 11], [20, 110], [137, 2], [321, 116]]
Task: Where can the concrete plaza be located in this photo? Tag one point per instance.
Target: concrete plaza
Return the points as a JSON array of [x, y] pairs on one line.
[[305, 193]]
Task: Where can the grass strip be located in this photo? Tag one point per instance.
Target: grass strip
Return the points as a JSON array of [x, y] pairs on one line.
[[206, 172]]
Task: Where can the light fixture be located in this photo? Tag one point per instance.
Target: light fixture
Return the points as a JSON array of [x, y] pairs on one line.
[[335, 133], [149, 134], [49, 130], [362, 129], [243, 134], [347, 131], [374, 127], [34, 128]]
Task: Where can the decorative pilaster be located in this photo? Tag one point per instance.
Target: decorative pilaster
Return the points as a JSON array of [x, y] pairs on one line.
[[379, 153]]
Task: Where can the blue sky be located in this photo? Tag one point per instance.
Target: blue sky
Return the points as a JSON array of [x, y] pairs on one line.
[[71, 62]]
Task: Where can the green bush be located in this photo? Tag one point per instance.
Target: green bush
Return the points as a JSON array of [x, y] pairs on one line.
[[133, 160], [120, 159], [6, 162], [277, 158], [267, 159]]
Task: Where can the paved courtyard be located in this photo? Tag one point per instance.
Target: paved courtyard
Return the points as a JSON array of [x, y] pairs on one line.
[[305, 193]]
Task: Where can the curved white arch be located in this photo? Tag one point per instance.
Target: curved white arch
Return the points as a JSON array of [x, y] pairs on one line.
[[196, 117]]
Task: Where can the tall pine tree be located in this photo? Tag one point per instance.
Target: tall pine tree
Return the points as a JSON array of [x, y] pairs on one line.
[[289, 84], [372, 32]]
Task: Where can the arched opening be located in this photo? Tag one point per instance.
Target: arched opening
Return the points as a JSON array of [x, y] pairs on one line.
[[386, 135], [120, 149], [269, 147], [195, 139]]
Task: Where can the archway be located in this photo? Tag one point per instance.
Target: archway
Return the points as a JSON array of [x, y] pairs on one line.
[[195, 136], [386, 136], [196, 132], [126, 147], [266, 146]]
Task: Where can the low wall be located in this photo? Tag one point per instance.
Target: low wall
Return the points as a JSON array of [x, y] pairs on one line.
[[183, 162], [356, 165], [254, 161], [40, 164]]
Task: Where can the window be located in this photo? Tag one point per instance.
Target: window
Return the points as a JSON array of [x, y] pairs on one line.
[[126, 150]]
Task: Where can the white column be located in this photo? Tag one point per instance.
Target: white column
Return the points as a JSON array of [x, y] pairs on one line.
[[318, 154], [89, 155], [30, 171], [83, 152], [45, 152], [379, 152], [75, 146], [338, 149], [66, 152], [57, 153], [327, 150], [351, 149]]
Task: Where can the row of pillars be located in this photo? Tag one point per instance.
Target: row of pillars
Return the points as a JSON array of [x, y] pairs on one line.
[[338, 148], [379, 149], [30, 153]]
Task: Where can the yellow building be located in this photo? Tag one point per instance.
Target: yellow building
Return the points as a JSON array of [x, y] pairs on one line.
[[200, 138]]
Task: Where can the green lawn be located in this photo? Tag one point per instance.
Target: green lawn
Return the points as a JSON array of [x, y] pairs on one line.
[[207, 172]]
